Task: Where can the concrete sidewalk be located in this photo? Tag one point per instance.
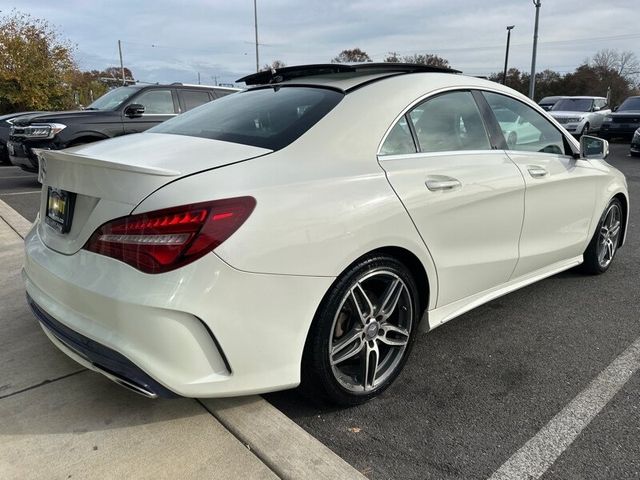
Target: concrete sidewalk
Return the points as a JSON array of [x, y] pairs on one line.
[[58, 420]]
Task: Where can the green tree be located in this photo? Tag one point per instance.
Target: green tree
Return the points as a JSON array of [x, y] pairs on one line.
[[36, 65], [355, 55]]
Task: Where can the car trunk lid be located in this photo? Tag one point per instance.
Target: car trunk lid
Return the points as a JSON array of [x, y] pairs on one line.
[[108, 179]]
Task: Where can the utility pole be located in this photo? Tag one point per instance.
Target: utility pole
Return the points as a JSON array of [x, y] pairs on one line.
[[198, 78], [255, 22], [121, 64], [506, 55], [532, 79]]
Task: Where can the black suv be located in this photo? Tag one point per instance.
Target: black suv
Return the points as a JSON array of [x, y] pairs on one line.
[[130, 109], [624, 121]]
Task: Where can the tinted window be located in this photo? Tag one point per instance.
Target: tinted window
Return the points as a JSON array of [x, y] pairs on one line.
[[156, 101], [265, 117], [530, 131], [194, 98], [632, 103], [449, 122], [219, 92], [399, 141], [112, 99], [574, 105]]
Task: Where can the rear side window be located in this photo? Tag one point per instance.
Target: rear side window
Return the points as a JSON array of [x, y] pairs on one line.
[[449, 122], [194, 98], [156, 102], [270, 117]]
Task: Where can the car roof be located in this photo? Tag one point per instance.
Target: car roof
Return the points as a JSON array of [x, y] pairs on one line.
[[340, 76]]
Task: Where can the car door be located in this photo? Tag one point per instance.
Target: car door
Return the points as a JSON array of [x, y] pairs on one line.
[[159, 104], [465, 198], [560, 191]]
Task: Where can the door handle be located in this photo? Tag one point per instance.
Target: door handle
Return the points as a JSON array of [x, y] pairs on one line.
[[442, 183], [537, 172]]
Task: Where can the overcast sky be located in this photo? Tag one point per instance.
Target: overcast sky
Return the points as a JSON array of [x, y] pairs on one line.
[[167, 41]]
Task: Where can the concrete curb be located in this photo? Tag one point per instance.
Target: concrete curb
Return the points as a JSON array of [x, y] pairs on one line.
[[16, 221], [281, 444], [284, 447]]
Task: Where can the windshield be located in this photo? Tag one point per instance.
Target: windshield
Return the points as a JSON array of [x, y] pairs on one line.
[[270, 117], [574, 105], [632, 103], [112, 99]]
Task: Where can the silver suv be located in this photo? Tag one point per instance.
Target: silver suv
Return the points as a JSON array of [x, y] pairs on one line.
[[581, 115]]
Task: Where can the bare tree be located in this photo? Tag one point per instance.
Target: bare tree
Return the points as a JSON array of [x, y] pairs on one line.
[[625, 64], [628, 65], [606, 59], [392, 57], [354, 55], [274, 65], [430, 59]]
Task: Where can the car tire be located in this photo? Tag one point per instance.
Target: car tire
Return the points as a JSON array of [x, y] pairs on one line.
[[604, 243], [362, 333]]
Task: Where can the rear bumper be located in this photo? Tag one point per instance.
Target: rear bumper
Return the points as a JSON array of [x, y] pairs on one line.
[[204, 330], [617, 130], [98, 357]]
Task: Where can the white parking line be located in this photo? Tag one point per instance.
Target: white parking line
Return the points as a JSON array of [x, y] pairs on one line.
[[536, 456], [19, 193]]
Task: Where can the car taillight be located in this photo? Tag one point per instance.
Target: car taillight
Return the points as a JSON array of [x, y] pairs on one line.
[[163, 240]]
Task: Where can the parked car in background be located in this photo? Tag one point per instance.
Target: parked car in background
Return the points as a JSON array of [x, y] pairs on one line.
[[634, 149], [581, 115], [300, 230], [548, 102], [124, 110], [516, 129], [5, 127], [624, 121]]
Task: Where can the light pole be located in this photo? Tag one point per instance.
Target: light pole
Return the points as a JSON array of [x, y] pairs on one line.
[[255, 22], [532, 79], [506, 55]]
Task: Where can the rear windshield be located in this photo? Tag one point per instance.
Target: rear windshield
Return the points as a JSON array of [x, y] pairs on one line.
[[270, 117], [632, 103], [574, 105]]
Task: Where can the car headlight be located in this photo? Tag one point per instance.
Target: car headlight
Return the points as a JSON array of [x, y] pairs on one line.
[[608, 119], [42, 131]]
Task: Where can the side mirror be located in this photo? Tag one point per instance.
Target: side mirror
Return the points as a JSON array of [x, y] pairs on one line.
[[134, 110], [593, 148], [596, 109], [615, 109]]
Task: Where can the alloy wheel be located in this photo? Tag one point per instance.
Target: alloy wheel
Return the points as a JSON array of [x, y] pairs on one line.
[[609, 234], [371, 331]]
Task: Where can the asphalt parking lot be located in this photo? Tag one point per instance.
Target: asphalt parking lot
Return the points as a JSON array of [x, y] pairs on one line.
[[480, 387], [477, 390]]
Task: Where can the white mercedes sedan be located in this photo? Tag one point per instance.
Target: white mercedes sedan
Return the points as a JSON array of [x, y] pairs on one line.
[[301, 232]]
